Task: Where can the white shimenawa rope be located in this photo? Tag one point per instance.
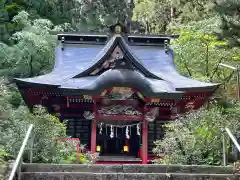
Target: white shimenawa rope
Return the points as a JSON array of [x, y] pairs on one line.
[[122, 125], [127, 132], [101, 129], [138, 130], [112, 132]]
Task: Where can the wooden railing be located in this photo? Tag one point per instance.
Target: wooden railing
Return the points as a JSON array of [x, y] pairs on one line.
[[18, 163]]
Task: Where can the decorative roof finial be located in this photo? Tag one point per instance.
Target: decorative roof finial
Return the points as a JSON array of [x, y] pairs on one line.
[[118, 28]]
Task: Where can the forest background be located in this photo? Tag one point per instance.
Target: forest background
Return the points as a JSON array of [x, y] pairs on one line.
[[209, 34]]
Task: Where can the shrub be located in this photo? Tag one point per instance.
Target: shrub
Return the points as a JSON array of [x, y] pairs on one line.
[[197, 137], [47, 129]]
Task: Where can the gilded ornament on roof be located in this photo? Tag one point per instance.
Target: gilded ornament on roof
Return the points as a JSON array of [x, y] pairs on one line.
[[118, 29], [121, 89], [87, 97]]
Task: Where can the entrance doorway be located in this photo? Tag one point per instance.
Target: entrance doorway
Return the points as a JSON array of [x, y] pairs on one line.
[[119, 144]]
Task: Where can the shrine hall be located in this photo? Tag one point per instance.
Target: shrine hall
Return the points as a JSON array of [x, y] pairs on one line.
[[116, 91]]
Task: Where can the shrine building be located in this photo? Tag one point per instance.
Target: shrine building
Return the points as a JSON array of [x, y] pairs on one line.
[[116, 90]]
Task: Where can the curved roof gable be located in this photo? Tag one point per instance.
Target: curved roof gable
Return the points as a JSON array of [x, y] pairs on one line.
[[114, 42]]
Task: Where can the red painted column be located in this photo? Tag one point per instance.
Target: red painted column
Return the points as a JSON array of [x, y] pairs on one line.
[[93, 136], [94, 128], [144, 141]]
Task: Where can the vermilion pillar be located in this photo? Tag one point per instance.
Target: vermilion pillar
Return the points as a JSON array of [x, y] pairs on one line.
[[94, 128], [144, 142], [93, 136]]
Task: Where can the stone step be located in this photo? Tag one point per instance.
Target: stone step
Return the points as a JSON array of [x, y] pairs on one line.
[[123, 176], [125, 168], [128, 159]]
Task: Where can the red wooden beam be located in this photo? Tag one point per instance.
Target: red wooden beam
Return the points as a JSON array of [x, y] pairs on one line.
[[119, 117], [122, 102], [76, 105]]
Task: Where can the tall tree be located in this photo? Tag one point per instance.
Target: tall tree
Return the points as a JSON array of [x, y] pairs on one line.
[[33, 51], [154, 15], [157, 15], [96, 15], [229, 10], [4, 19]]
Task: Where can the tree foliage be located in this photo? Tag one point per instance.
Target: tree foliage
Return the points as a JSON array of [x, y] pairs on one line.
[[57, 11], [158, 15], [97, 15], [33, 50], [230, 16], [198, 53], [15, 122], [155, 15], [196, 138]]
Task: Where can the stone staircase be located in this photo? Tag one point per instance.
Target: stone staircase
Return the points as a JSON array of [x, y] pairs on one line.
[[126, 172]]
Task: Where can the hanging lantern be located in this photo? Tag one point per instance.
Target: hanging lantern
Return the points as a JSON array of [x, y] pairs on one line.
[[125, 148], [98, 148]]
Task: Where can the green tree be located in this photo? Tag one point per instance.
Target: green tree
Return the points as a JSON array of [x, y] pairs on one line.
[[157, 15], [186, 11], [15, 121], [4, 19], [96, 15], [33, 51], [57, 11], [230, 16], [154, 15], [198, 53]]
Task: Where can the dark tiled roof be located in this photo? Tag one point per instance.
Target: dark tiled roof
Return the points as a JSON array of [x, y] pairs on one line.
[[75, 59], [161, 64], [158, 72]]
